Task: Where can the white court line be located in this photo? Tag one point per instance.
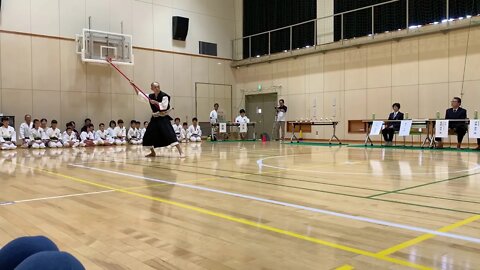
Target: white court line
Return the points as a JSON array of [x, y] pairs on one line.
[[55, 197], [261, 163], [296, 206]]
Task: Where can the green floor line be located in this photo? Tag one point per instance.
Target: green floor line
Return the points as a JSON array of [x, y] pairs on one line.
[[333, 193], [263, 175], [315, 143], [423, 185], [436, 197], [232, 141], [426, 206]]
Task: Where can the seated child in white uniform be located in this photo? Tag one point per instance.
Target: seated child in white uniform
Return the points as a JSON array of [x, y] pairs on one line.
[[142, 131], [132, 135], [37, 135], [120, 133], [184, 132], [54, 136], [139, 132], [70, 139], [178, 130], [102, 136], [8, 136], [88, 137], [194, 132]]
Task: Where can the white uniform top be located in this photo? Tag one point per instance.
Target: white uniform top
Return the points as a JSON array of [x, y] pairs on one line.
[[213, 117], [87, 136], [164, 104], [177, 128], [142, 132], [7, 134], [111, 132], [194, 131], [101, 135], [25, 130], [242, 120], [54, 133], [38, 134], [183, 132], [69, 138], [120, 132], [132, 134], [138, 133]]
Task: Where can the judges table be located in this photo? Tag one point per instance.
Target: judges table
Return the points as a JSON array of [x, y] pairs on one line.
[[229, 125], [428, 124], [316, 123]]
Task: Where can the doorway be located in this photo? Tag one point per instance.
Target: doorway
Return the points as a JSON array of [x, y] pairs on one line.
[[261, 110]]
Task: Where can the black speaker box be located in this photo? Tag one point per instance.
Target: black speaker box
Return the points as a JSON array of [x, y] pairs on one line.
[[180, 28]]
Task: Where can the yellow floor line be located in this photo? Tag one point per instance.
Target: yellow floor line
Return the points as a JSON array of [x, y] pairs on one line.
[[345, 267], [427, 236], [246, 222]]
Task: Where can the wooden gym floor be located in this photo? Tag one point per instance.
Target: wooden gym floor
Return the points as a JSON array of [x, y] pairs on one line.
[[248, 206]]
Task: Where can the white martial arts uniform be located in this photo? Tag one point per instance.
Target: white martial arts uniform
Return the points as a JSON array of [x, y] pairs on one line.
[[8, 138], [85, 136], [72, 138], [178, 131], [194, 133], [139, 135], [24, 133], [133, 136], [213, 117], [103, 137], [37, 138], [55, 138], [184, 133], [120, 132]]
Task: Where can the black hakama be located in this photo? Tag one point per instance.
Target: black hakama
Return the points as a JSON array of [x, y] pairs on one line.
[[160, 132]]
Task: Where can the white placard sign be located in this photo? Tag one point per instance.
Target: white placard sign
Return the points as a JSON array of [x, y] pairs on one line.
[[441, 128], [474, 129], [243, 128], [405, 127], [223, 127], [376, 128]]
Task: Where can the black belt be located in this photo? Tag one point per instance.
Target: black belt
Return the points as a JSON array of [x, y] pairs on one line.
[[8, 139]]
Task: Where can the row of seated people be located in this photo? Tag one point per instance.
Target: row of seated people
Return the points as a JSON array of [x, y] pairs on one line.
[[456, 112], [193, 133], [33, 135], [185, 133], [36, 134]]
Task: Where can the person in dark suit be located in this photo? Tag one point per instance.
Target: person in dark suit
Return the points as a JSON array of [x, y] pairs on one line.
[[460, 127], [390, 128]]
